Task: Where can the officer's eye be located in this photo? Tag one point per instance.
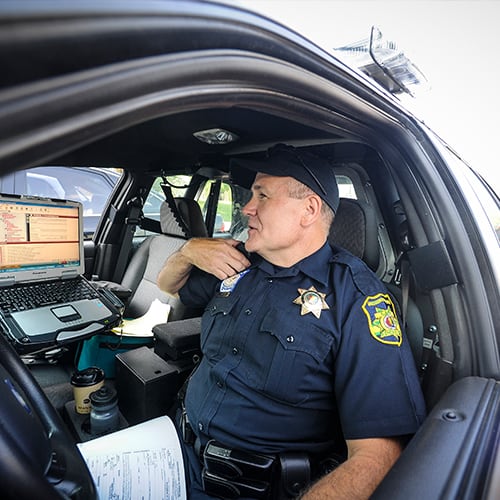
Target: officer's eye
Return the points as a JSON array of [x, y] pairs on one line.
[[261, 196]]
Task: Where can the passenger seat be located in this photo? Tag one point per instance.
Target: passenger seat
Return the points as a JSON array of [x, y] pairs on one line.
[[149, 258]]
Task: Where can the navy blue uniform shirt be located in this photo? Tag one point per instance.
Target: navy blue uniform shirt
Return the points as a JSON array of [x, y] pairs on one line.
[[297, 358]]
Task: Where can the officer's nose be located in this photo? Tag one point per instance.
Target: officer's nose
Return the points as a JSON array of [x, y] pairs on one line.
[[250, 208]]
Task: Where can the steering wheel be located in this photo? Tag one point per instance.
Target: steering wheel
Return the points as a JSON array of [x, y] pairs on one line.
[[39, 458]]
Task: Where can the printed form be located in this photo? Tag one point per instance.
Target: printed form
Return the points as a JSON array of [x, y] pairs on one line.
[[140, 462]]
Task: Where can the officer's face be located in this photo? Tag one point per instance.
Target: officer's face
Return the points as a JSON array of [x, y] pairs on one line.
[[274, 227]]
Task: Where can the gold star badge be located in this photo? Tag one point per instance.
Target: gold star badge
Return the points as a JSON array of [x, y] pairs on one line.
[[311, 301]]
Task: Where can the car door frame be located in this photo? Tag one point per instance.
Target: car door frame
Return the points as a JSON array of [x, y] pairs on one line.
[[293, 72]]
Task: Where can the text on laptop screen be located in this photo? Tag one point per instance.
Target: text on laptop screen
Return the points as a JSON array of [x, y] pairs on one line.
[[38, 235]]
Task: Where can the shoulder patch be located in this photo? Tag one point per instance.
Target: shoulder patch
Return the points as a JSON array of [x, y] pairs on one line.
[[227, 286], [382, 319]]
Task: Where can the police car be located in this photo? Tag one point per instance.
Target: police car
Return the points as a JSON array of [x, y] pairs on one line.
[[170, 92]]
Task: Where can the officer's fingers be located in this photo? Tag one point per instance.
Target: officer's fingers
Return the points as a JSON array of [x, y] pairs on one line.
[[198, 250], [216, 263], [235, 258], [221, 250], [216, 256], [225, 265], [237, 262], [223, 271]]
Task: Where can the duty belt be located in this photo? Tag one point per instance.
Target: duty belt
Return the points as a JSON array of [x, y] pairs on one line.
[[232, 473]]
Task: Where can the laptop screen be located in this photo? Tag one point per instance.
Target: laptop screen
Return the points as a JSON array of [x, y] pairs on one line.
[[40, 238]]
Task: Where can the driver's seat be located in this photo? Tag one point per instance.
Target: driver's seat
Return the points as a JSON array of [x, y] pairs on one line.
[[355, 228]]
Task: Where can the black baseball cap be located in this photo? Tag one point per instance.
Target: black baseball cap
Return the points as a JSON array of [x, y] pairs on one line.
[[286, 161]]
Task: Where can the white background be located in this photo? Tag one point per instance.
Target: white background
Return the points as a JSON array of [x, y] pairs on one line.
[[454, 43]]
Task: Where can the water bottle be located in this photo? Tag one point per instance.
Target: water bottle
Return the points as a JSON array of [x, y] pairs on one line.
[[104, 415]]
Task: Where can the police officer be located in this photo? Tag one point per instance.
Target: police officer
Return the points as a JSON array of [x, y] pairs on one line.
[[302, 349]]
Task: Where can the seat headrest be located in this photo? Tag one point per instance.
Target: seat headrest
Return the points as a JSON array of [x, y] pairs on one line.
[[191, 215], [355, 229]]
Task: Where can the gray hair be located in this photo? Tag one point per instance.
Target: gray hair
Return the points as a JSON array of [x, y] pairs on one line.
[[299, 191]]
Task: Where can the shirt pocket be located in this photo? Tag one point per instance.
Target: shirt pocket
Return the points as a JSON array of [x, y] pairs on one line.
[[215, 324], [293, 353]]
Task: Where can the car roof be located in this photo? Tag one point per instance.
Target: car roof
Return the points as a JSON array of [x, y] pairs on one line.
[[63, 48]]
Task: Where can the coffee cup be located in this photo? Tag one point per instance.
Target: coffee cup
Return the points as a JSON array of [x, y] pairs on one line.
[[85, 382]]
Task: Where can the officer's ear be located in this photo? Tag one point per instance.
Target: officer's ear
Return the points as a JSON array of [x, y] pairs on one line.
[[312, 209]]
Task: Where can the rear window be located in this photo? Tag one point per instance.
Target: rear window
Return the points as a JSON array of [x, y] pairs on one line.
[[346, 187]]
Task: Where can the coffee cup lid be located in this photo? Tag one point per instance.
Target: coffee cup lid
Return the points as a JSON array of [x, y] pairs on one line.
[[88, 376]]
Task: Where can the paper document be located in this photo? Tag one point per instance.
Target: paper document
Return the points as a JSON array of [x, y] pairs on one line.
[[142, 327], [143, 461]]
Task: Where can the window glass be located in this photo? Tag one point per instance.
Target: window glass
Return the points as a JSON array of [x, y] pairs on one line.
[[90, 186], [224, 214], [229, 220], [241, 196], [224, 218], [152, 204], [179, 184], [239, 225], [203, 197], [489, 202], [42, 185], [346, 187]]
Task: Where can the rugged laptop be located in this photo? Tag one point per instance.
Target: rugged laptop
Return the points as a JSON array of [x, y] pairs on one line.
[[44, 298]]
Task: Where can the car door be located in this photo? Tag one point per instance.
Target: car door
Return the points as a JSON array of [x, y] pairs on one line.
[[130, 102]]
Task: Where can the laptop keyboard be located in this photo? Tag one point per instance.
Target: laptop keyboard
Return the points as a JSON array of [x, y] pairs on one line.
[[25, 297]]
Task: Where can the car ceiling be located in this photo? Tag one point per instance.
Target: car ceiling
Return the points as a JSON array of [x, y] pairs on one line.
[[167, 143], [154, 143]]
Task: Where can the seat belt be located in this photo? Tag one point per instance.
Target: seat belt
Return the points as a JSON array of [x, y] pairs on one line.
[[131, 221], [430, 340], [404, 270], [212, 206], [402, 276]]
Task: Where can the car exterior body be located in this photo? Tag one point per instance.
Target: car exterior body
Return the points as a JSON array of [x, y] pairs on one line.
[[126, 85]]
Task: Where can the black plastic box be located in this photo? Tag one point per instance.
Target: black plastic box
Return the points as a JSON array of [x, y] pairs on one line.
[[147, 385]]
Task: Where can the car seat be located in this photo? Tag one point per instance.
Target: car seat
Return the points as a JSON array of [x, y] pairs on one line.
[[355, 228], [147, 261]]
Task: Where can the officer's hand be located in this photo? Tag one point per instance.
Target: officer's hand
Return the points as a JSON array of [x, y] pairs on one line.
[[215, 256]]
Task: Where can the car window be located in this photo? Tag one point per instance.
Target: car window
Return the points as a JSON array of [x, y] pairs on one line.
[[229, 220], [489, 201], [179, 185], [43, 185], [346, 187], [90, 186], [224, 214], [152, 204], [156, 197]]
